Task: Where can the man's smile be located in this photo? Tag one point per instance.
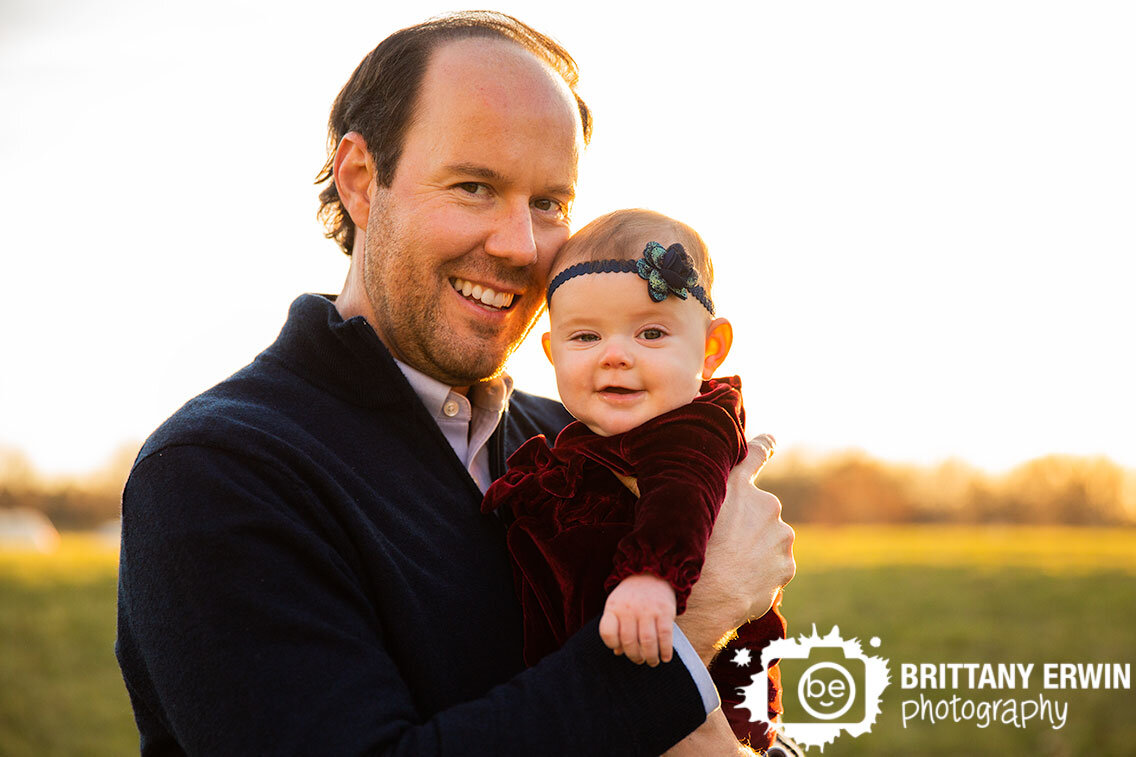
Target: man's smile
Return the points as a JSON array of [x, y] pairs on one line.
[[482, 294]]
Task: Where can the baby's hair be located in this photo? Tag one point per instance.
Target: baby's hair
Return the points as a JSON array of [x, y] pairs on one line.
[[622, 235]]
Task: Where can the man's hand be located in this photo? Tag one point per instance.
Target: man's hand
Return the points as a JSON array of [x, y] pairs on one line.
[[638, 619], [749, 558]]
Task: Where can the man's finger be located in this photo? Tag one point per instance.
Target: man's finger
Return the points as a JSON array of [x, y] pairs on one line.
[[760, 450], [767, 442]]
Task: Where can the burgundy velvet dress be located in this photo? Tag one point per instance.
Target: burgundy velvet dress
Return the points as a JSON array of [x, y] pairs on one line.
[[577, 530]]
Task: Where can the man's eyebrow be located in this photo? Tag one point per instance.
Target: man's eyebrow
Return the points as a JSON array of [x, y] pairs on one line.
[[568, 191], [473, 169], [485, 172]]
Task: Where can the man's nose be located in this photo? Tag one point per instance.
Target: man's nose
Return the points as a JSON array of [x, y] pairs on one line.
[[616, 355], [512, 237]]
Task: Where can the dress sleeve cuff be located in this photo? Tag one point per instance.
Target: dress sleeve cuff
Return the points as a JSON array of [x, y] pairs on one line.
[[697, 670]]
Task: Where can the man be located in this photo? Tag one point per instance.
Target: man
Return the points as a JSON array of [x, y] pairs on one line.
[[304, 565]]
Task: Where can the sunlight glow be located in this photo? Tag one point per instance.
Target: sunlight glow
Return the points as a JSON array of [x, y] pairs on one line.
[[920, 214]]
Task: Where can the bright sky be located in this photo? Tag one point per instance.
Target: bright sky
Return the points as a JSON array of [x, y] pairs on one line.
[[921, 214]]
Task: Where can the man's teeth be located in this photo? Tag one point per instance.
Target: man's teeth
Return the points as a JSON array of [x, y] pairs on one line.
[[483, 294]]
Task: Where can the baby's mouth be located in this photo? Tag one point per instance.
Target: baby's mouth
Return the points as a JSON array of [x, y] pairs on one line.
[[619, 390], [482, 294]]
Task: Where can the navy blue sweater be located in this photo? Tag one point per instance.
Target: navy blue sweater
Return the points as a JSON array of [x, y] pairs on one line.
[[305, 570]]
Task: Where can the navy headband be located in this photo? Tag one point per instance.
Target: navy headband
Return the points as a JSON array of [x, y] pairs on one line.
[[667, 271]]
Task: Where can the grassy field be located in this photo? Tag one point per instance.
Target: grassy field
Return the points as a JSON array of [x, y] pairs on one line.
[[60, 690], [932, 594], [951, 594]]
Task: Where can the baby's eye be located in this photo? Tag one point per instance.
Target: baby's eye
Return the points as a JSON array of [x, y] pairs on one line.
[[585, 338], [652, 333]]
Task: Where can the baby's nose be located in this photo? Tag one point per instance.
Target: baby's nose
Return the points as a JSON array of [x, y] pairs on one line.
[[616, 355]]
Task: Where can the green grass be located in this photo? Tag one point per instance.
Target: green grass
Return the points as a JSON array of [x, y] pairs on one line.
[[951, 594], [60, 690], [932, 594], [1051, 549]]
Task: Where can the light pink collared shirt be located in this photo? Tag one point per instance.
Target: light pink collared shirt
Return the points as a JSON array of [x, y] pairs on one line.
[[467, 422]]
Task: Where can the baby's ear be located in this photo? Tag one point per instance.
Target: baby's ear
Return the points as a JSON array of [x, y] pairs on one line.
[[719, 339], [546, 342]]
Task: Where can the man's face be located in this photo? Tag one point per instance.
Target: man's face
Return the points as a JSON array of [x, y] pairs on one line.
[[459, 246]]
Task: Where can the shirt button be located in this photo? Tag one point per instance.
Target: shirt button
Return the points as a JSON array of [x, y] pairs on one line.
[[450, 408]]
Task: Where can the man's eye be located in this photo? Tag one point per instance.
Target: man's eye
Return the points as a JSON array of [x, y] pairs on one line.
[[652, 333], [546, 205], [472, 187]]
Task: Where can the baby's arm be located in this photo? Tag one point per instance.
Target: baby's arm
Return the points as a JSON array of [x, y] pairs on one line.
[[638, 619], [681, 461]]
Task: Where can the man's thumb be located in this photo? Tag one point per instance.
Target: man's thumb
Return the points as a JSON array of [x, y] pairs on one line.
[[760, 450]]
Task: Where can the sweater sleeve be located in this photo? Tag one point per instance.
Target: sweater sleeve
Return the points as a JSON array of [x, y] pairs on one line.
[[243, 631], [681, 461]]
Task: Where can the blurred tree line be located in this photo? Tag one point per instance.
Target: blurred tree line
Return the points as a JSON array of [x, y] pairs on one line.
[[854, 488], [843, 488], [71, 502]]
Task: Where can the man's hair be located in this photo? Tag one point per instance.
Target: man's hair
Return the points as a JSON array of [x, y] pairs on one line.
[[378, 100], [623, 234]]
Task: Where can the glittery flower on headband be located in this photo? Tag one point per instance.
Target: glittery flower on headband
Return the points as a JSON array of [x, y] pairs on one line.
[[667, 270]]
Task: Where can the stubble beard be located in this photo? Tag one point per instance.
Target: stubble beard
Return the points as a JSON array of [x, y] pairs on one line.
[[411, 316]]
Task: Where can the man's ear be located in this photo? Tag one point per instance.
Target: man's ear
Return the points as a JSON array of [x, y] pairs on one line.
[[546, 342], [354, 175], [719, 339]]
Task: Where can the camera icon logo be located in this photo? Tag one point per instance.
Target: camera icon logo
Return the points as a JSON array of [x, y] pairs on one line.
[[829, 687]]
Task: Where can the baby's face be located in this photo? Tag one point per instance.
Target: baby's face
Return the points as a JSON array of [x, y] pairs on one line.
[[620, 358]]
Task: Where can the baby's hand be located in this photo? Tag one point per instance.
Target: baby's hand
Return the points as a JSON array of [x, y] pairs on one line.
[[638, 619]]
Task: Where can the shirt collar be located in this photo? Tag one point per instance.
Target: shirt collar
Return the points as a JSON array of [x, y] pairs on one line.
[[490, 396], [432, 392]]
